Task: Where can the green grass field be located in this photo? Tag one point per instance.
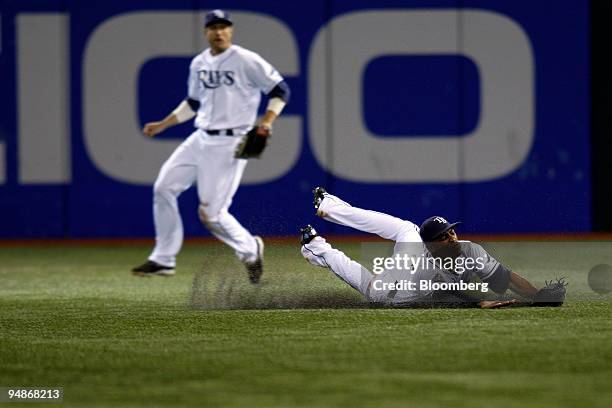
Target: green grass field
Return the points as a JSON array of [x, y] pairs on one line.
[[74, 317]]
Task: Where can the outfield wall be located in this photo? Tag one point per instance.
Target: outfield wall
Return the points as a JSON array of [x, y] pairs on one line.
[[475, 110]]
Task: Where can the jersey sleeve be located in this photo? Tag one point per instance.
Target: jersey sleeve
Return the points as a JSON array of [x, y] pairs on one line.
[[489, 269], [192, 84], [261, 73], [484, 263]]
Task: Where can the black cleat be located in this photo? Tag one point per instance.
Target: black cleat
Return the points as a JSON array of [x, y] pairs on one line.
[[307, 234], [151, 268], [319, 194], [255, 269]]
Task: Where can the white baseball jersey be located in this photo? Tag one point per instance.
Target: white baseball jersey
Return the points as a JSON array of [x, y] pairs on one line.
[[228, 87]]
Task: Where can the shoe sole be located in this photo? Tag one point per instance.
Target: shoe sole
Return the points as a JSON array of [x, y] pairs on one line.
[[165, 272], [316, 196]]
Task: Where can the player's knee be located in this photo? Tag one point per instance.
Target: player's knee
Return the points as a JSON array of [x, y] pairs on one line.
[[209, 216], [162, 190], [202, 214], [408, 232]]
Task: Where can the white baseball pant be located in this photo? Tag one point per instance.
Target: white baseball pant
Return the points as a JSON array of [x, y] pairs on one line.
[[319, 253], [209, 162]]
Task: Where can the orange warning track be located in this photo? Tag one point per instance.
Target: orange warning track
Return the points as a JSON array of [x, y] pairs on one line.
[[593, 236]]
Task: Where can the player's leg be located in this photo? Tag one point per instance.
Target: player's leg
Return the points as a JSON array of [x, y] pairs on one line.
[[217, 184], [318, 252], [332, 208], [177, 174], [219, 176]]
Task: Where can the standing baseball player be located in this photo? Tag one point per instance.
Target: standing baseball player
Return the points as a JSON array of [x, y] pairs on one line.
[[435, 239], [224, 92]]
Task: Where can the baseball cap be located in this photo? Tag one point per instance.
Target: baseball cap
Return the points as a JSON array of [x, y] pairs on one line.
[[434, 227], [217, 16]]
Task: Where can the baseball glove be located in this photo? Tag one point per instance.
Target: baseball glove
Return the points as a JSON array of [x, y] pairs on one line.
[[552, 294], [253, 143]]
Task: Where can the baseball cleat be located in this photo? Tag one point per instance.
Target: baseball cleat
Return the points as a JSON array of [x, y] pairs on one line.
[[319, 194], [151, 268], [255, 269], [307, 234]]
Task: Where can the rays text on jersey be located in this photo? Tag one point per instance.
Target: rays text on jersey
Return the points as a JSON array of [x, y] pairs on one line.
[[214, 79]]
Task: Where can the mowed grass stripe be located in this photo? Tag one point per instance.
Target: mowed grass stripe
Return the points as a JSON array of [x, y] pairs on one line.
[[79, 320]]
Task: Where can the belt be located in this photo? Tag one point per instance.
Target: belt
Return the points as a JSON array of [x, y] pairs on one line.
[[221, 132]]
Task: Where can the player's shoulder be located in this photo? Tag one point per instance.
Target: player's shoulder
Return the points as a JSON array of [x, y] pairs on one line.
[[471, 247], [243, 52], [198, 59], [246, 53]]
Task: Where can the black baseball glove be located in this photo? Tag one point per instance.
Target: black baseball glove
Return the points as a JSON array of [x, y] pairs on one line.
[[253, 143], [552, 294]]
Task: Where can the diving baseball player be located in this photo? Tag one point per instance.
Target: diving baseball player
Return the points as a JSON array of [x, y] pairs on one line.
[[224, 91], [427, 277]]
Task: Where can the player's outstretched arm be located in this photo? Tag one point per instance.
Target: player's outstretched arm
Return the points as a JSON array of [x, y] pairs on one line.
[[153, 128], [496, 304], [185, 111], [522, 286]]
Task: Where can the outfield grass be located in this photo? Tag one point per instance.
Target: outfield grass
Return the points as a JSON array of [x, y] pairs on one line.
[[74, 317]]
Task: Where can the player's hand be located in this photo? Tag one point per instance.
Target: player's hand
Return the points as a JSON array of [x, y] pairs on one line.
[[253, 143], [494, 304], [153, 128]]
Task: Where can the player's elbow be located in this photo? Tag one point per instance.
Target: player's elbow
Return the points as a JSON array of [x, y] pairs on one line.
[[282, 91], [193, 104]]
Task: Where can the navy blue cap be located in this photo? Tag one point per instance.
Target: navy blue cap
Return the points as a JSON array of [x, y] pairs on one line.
[[217, 16], [434, 227]]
